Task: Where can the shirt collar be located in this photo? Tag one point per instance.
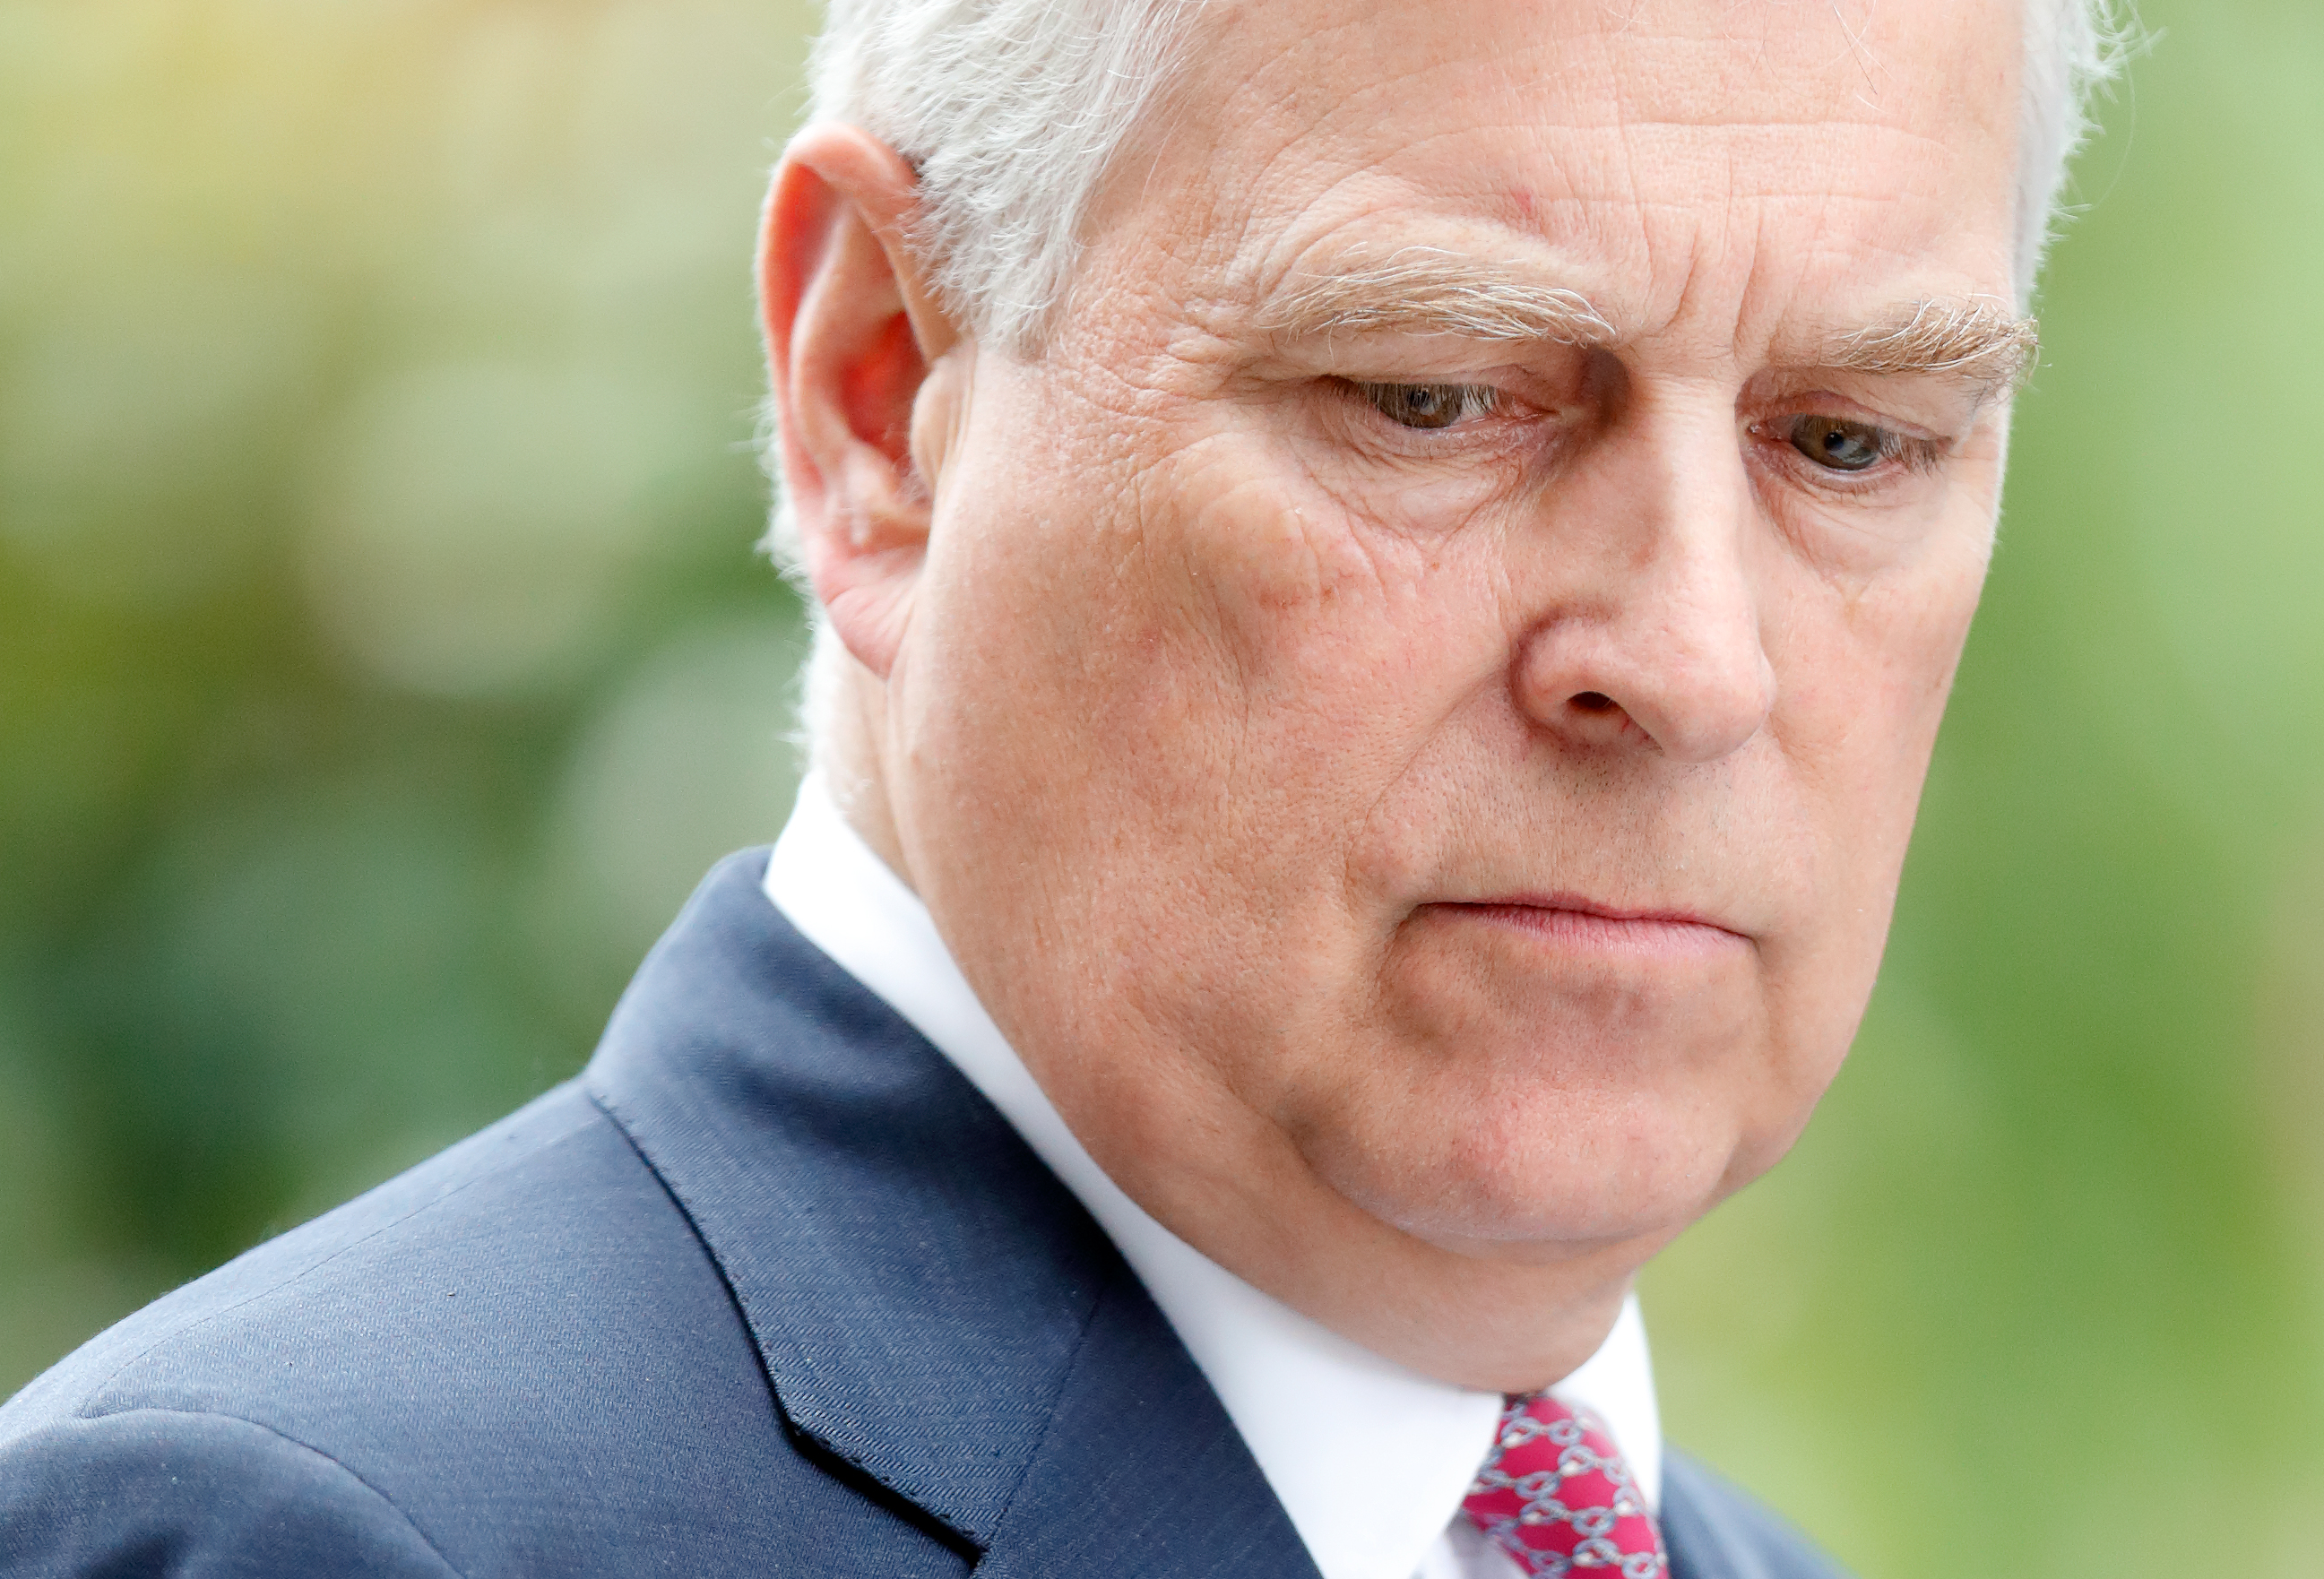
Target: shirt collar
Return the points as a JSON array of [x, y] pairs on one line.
[[1372, 1490]]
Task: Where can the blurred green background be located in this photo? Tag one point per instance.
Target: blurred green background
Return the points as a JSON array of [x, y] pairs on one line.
[[382, 656]]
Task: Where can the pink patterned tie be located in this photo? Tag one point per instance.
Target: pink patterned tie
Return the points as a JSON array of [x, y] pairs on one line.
[[1556, 1495]]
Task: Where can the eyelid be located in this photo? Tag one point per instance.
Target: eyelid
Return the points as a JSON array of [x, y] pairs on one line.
[[1832, 403], [1915, 453], [1474, 400], [1480, 399]]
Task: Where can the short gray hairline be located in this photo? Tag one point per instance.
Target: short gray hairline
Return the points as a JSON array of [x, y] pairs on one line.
[[1012, 112]]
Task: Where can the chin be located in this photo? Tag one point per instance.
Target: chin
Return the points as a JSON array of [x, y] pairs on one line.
[[1563, 1174], [1540, 1106]]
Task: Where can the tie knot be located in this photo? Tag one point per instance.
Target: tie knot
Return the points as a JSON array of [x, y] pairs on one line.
[[1555, 1494]]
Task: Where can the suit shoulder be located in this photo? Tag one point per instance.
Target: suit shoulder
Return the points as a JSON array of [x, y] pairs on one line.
[[520, 1346], [155, 1492], [1715, 1530], [490, 1182]]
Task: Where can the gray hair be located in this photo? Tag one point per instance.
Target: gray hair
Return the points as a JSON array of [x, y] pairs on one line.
[[1011, 110]]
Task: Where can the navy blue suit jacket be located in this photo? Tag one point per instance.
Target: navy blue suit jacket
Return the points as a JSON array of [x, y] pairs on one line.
[[770, 1290]]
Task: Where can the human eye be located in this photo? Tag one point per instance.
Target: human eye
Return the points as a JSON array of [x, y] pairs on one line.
[[1428, 406], [1840, 446], [1846, 448]]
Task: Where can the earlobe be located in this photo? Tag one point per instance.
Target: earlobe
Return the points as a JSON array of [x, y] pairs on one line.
[[852, 336]]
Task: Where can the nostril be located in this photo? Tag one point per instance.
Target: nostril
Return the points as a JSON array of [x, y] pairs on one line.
[[1593, 702]]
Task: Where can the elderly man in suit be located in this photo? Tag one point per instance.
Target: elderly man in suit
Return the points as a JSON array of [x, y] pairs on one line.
[[1387, 576]]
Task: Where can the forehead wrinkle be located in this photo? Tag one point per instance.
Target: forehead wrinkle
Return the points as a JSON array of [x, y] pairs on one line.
[[1432, 291]]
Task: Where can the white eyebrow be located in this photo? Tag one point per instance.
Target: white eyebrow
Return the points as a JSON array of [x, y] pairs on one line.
[[1427, 291], [1430, 291], [1979, 339]]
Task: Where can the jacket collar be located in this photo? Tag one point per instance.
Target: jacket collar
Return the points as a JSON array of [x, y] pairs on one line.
[[937, 1316]]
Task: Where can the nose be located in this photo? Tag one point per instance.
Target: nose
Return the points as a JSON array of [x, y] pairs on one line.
[[1646, 629]]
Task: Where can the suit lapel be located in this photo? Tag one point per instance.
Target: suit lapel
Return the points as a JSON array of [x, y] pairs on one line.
[[1688, 1540], [937, 1314], [1713, 1532], [1142, 1475]]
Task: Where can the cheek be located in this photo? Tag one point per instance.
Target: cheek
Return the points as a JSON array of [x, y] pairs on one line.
[[1344, 646], [1276, 580], [1186, 689], [1866, 686], [1912, 645], [1864, 673]]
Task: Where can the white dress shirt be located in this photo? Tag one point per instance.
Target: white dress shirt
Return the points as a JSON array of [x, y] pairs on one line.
[[1370, 1460]]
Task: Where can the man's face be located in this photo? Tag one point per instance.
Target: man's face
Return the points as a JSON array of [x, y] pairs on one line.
[[1431, 671]]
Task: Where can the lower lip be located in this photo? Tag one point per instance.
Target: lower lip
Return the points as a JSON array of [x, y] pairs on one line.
[[1594, 932]]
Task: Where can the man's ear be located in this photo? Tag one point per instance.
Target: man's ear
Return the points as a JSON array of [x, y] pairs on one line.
[[851, 334]]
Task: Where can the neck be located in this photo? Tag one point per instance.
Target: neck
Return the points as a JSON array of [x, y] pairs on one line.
[[853, 705]]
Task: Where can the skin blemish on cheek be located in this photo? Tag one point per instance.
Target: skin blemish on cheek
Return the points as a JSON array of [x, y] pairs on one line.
[[1269, 558]]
